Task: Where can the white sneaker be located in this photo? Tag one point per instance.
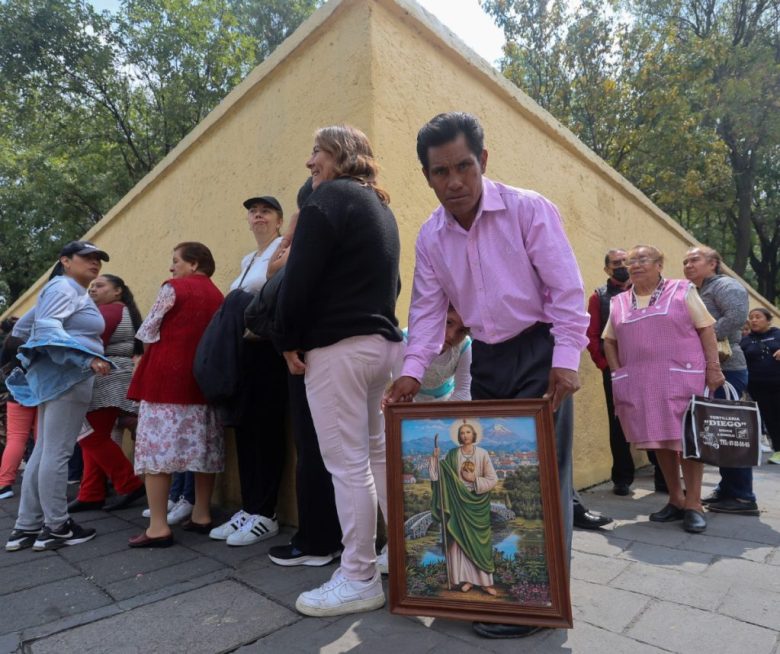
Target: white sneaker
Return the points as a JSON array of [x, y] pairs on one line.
[[180, 512], [382, 564], [255, 529], [230, 527], [341, 595], [146, 513]]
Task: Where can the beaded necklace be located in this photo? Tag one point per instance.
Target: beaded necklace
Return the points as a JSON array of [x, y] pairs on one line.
[[653, 298]]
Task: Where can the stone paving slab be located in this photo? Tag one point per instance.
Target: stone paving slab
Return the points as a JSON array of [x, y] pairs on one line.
[[649, 532], [596, 569], [603, 606], [130, 562], [376, 632], [9, 644], [68, 622], [754, 605], [459, 631], [35, 572], [746, 572], [218, 618], [671, 585], [102, 545], [669, 557], [691, 631], [49, 602], [632, 582], [586, 638], [600, 542], [103, 522], [232, 556], [145, 582], [174, 589], [728, 547], [23, 556]]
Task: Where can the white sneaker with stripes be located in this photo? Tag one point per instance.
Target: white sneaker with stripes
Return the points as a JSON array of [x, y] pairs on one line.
[[254, 529], [227, 529]]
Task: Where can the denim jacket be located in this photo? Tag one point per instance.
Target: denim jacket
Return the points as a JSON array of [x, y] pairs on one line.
[[53, 360]]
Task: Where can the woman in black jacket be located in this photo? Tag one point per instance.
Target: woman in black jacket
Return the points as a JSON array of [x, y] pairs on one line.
[[338, 328]]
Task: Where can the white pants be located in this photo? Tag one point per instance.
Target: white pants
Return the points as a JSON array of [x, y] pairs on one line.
[[344, 385]]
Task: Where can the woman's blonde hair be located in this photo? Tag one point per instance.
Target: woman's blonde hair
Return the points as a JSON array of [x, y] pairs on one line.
[[354, 157]]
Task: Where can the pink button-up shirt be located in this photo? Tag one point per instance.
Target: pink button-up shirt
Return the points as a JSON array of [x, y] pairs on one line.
[[513, 268]]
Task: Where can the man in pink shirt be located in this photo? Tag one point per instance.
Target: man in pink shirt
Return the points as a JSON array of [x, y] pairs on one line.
[[501, 256]]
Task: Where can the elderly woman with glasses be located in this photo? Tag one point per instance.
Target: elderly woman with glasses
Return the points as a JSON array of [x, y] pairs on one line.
[[661, 348]]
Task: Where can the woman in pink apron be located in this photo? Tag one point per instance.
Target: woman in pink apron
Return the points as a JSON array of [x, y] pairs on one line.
[[661, 347]]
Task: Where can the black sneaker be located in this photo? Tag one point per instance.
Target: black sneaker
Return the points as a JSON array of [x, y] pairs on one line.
[[6, 492], [289, 555], [743, 507], [20, 539], [68, 534], [712, 497]]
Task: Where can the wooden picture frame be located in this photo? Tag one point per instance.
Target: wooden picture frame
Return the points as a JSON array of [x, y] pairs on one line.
[[512, 477]]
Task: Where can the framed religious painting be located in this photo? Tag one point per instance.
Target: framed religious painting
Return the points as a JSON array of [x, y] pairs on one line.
[[475, 529]]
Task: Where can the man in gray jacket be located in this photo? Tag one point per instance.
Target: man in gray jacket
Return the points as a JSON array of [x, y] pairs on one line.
[[727, 300]]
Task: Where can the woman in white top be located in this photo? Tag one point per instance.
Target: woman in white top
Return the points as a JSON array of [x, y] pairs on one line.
[[260, 431]]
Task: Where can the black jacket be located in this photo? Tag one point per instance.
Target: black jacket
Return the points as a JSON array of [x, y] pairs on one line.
[[341, 279], [217, 365]]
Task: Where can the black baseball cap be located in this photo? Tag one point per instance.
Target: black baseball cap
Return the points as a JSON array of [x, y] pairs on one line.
[[270, 200], [82, 248]]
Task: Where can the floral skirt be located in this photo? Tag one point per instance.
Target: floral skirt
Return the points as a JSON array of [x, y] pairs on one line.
[[177, 438]]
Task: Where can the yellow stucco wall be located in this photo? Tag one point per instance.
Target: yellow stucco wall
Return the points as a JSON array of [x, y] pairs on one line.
[[387, 67]]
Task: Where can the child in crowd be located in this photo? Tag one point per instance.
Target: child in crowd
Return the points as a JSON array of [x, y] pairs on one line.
[[449, 375]]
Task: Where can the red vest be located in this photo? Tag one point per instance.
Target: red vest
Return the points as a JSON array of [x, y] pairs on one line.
[[164, 374]]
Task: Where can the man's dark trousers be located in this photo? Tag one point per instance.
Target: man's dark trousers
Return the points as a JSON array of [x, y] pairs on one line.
[[520, 369], [622, 461], [736, 483]]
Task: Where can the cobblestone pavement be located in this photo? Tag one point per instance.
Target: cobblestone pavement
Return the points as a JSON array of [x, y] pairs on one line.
[[636, 587]]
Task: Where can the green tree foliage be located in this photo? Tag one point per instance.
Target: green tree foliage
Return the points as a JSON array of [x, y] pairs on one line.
[[90, 102], [680, 96], [522, 492]]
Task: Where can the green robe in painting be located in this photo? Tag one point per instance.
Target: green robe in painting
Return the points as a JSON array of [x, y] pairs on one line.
[[467, 513]]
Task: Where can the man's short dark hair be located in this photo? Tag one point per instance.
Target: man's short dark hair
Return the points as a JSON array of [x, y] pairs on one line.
[[609, 254], [445, 128]]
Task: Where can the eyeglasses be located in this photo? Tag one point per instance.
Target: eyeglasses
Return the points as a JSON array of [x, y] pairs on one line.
[[641, 261], [617, 263]]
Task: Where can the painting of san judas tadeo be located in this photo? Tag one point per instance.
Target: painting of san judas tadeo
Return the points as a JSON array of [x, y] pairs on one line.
[[475, 522]]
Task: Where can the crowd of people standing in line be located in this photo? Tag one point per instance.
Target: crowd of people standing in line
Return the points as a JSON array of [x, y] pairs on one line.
[[711, 298], [497, 312]]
